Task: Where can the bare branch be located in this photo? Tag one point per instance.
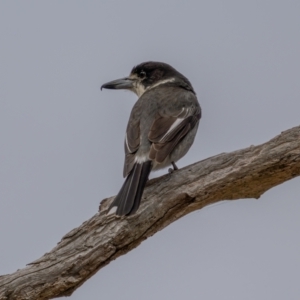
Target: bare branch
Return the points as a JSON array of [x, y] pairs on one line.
[[245, 173]]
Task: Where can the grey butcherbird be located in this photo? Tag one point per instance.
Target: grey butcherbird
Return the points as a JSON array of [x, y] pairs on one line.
[[161, 128]]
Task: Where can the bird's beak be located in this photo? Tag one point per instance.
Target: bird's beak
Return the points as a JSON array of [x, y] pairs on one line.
[[119, 84]]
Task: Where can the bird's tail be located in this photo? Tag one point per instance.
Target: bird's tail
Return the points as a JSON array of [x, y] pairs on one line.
[[129, 197]]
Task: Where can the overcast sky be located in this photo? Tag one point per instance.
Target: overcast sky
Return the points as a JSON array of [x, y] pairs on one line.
[[61, 139]]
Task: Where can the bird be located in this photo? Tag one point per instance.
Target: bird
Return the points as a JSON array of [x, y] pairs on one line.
[[161, 128]]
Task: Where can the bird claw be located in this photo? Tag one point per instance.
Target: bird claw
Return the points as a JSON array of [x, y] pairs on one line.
[[175, 168]]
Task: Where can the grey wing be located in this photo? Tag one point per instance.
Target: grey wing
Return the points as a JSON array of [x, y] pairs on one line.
[[132, 140], [168, 129]]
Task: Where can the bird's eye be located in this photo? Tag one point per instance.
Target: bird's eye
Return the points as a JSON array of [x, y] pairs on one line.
[[142, 74]]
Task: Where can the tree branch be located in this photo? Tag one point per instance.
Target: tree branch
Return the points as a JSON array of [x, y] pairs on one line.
[[245, 173]]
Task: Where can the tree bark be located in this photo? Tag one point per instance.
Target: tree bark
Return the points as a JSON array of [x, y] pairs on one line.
[[245, 173]]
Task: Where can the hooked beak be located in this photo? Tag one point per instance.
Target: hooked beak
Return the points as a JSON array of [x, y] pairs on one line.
[[119, 84]]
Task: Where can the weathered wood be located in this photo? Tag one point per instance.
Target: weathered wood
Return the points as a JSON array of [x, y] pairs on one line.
[[245, 173]]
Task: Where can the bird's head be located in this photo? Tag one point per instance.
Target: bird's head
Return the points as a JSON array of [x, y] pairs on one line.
[[148, 75]]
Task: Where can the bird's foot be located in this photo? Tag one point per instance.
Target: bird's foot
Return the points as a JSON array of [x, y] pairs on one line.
[[175, 168]]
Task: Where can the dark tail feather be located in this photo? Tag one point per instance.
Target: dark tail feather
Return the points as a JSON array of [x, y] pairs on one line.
[[129, 197]]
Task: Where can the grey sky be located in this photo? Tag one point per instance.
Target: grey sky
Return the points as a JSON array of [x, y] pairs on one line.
[[62, 139]]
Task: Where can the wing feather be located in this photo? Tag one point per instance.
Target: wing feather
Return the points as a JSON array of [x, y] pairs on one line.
[[131, 145], [167, 131]]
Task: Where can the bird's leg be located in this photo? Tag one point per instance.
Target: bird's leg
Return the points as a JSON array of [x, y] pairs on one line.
[[174, 167]]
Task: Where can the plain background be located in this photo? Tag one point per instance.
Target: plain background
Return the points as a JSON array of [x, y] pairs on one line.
[[61, 138]]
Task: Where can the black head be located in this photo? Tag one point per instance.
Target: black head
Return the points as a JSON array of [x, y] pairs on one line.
[[148, 75]]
